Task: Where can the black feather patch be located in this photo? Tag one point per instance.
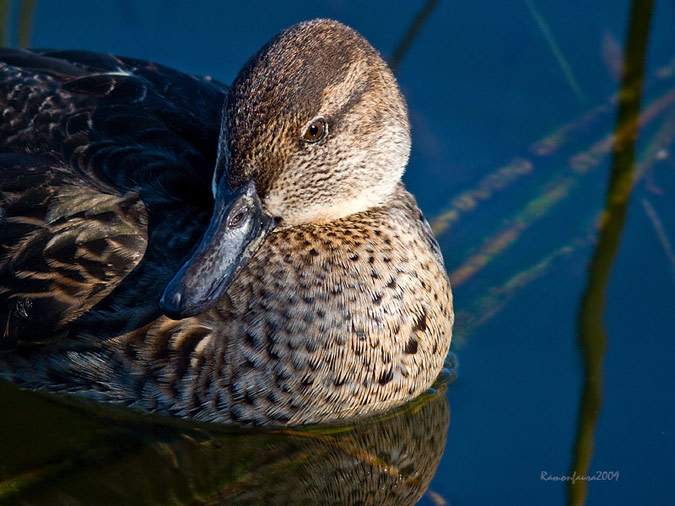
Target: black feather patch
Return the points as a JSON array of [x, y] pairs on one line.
[[100, 85]]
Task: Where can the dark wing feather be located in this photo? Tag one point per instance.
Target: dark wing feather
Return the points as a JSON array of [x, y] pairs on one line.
[[105, 168], [65, 245]]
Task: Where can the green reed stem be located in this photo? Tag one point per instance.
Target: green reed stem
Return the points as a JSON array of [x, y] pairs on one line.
[[591, 329]]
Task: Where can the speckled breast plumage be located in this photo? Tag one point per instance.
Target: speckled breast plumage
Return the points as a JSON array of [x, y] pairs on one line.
[[326, 322]]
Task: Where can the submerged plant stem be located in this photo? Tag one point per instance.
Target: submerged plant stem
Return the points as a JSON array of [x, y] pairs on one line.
[[661, 234], [411, 34], [591, 330], [5, 21], [26, 23], [555, 49]]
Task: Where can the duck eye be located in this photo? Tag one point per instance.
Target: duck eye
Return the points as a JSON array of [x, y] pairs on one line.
[[315, 130]]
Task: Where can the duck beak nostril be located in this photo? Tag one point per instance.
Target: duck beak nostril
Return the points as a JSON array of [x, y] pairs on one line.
[[176, 299], [171, 306]]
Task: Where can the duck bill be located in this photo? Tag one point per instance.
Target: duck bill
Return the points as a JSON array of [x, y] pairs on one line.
[[237, 228]]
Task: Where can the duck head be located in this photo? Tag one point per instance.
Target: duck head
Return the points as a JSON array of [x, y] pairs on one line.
[[314, 129]]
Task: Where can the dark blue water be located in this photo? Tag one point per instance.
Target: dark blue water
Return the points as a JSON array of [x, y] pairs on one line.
[[486, 80]]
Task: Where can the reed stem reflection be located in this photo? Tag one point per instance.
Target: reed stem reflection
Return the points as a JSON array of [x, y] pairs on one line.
[[591, 330], [4, 22], [410, 35], [25, 28]]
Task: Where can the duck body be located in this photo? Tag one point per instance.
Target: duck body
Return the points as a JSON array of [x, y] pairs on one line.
[[335, 302]]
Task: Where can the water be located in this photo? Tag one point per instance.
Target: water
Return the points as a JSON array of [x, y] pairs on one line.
[[485, 82]]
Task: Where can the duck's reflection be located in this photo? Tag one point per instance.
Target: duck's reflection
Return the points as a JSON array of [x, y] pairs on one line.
[[390, 460], [121, 459]]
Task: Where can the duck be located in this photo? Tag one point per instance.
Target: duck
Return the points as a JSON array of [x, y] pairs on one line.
[[242, 254]]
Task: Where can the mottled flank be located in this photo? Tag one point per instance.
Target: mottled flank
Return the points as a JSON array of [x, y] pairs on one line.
[[107, 183]]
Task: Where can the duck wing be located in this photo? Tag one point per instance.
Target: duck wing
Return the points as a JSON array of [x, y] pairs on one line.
[[105, 170]]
